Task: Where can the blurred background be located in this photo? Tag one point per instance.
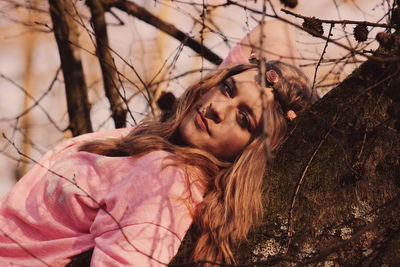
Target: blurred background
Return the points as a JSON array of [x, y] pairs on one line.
[[33, 109]]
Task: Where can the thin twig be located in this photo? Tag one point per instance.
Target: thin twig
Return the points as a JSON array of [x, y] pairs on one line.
[[344, 22], [144, 15], [36, 101], [297, 188], [320, 59], [24, 248], [352, 50]]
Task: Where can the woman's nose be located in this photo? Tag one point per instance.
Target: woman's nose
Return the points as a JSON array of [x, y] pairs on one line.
[[217, 111]]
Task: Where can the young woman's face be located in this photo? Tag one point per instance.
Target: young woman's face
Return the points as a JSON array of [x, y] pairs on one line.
[[224, 120]]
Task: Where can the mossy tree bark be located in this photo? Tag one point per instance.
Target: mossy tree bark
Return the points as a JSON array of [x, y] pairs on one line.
[[333, 193]]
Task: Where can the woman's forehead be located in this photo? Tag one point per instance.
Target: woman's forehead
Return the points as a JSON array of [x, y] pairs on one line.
[[248, 82], [250, 93], [250, 75]]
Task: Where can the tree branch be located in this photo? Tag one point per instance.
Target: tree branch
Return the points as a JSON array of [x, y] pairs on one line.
[[344, 22], [66, 34], [107, 63], [144, 15]]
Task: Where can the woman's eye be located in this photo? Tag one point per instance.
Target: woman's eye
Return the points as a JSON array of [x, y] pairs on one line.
[[227, 90], [244, 121]]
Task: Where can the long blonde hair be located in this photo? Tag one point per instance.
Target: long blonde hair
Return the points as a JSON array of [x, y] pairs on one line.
[[233, 199]]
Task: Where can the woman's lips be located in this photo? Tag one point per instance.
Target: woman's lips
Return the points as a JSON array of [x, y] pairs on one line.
[[201, 122]]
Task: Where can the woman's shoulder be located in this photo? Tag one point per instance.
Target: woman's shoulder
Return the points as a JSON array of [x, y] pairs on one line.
[[71, 145], [153, 161], [147, 170], [156, 155], [166, 166], [161, 159], [114, 133], [158, 164], [152, 164]]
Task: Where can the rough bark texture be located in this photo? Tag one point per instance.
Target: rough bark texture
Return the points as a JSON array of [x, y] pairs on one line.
[[333, 193], [108, 68], [332, 196], [67, 37]]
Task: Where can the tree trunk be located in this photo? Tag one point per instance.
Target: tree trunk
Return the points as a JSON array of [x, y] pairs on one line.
[[30, 40], [333, 193], [67, 37], [108, 68]]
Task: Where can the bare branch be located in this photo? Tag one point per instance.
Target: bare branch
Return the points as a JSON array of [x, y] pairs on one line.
[[297, 188], [144, 15], [329, 21], [107, 63], [66, 34], [350, 49], [320, 60]]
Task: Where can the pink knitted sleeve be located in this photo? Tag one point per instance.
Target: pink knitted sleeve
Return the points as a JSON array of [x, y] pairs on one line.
[[134, 211], [235, 56]]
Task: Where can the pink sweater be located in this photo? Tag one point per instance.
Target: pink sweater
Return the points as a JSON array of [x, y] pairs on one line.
[[235, 56], [131, 210]]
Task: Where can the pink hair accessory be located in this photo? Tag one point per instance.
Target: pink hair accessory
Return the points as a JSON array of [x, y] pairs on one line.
[[291, 115], [272, 77]]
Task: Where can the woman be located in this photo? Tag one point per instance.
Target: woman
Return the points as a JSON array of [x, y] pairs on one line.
[[131, 194]]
